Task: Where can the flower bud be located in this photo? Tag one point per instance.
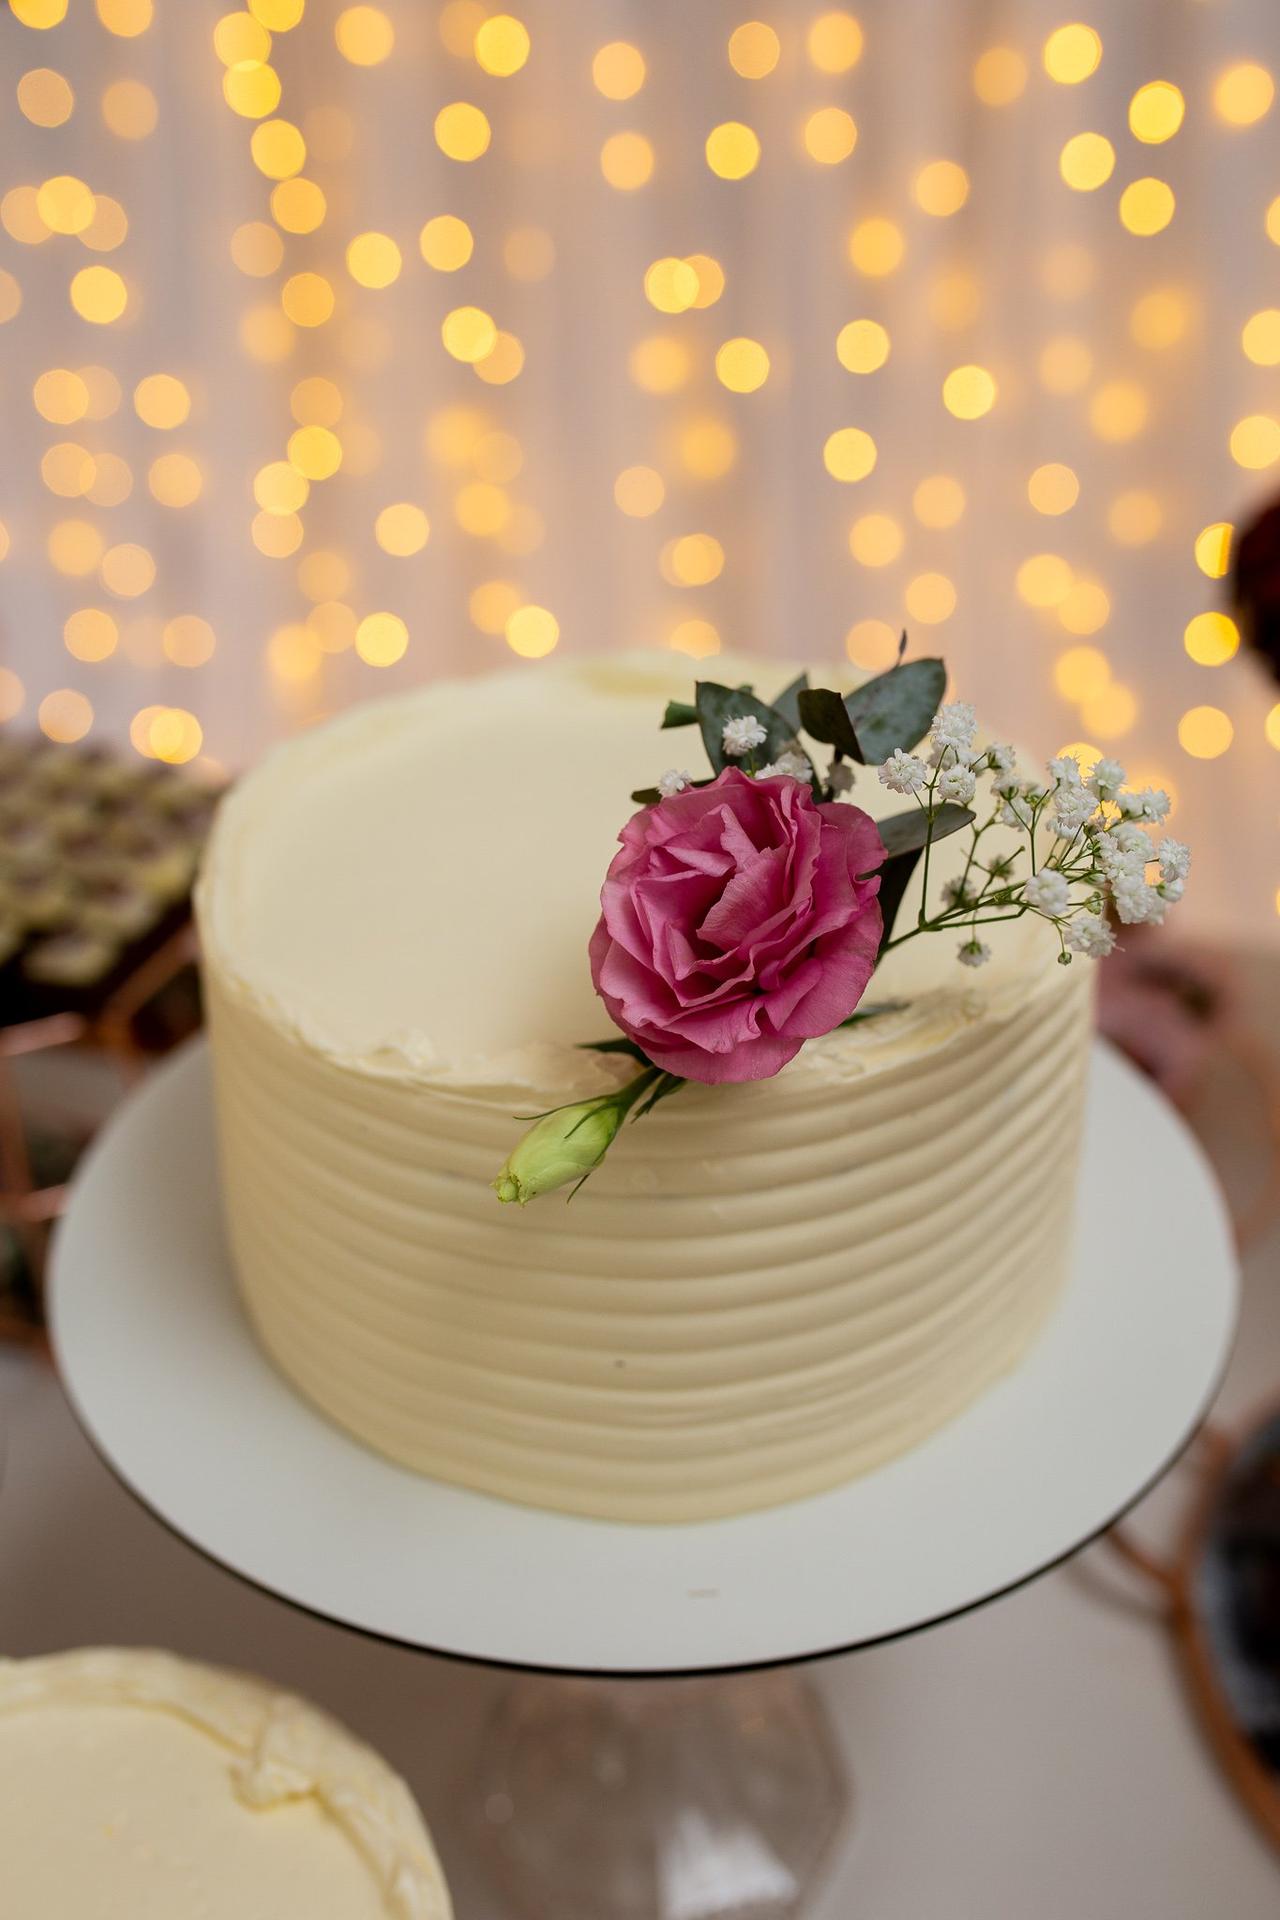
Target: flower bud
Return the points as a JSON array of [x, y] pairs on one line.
[[563, 1146]]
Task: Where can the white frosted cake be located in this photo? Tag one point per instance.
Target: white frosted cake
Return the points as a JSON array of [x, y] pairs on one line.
[[138, 1786], [765, 1290]]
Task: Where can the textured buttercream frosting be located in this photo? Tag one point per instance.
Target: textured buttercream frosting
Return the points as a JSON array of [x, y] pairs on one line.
[[764, 1290], [138, 1786]]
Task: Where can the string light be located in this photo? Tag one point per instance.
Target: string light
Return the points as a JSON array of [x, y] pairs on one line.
[[871, 645], [298, 205], [1205, 732], [1072, 53], [532, 632], [754, 50], [1260, 337], [502, 45], [1156, 112], [1213, 548], [618, 70], [402, 529], [1243, 94], [639, 492], [626, 161], [732, 150], [999, 76], [969, 392], [697, 638], [381, 639], [364, 36], [373, 260], [849, 454], [830, 135], [1255, 441], [1211, 639], [876, 247], [938, 500], [1087, 161], [1147, 206], [46, 97], [876, 540], [462, 131], [742, 365], [1053, 488], [941, 188], [862, 346], [834, 42], [65, 716]]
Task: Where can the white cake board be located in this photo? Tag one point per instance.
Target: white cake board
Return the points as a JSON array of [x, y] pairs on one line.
[[161, 1366]]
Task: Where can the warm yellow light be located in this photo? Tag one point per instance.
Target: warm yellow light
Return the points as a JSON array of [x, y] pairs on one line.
[[1213, 548], [128, 570], [45, 97], [502, 45], [315, 451], [462, 131], [862, 346], [710, 278], [639, 492], [754, 50], [626, 161], [742, 365], [697, 638], [256, 248], [1065, 364], [1081, 673], [90, 634], [293, 655], [299, 206], [1134, 517], [381, 639], [1272, 221], [161, 400], [458, 23], [1086, 608], [707, 447], [618, 70], [323, 575], [251, 89], [65, 204], [876, 539], [1087, 161], [12, 694], [930, 598], [499, 456], [1243, 93], [503, 362], [102, 391], [671, 285], [659, 363], [332, 625], [954, 300], [1156, 111], [401, 529], [1053, 488], [98, 294], [830, 135], [1111, 713], [67, 469], [1160, 318], [692, 560], [1260, 337], [969, 392], [871, 645], [1205, 732], [20, 217], [1044, 580], [482, 509], [65, 716], [175, 736], [1147, 206], [129, 108], [188, 640], [999, 76], [365, 36], [109, 226], [278, 149], [112, 481], [941, 188], [1119, 410], [280, 488], [1270, 727], [492, 604], [316, 402], [453, 435], [373, 259], [835, 42], [849, 454], [175, 480], [279, 15], [60, 396], [523, 532], [876, 247], [39, 13], [10, 296], [1211, 639], [307, 299], [446, 243], [938, 500], [1255, 441], [1072, 53], [238, 38], [532, 632], [469, 333], [732, 150], [528, 253]]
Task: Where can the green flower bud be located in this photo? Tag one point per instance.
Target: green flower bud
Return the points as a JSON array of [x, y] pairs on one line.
[[563, 1146]]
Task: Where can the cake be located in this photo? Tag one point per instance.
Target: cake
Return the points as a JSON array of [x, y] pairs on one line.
[[138, 1784], [766, 1289]]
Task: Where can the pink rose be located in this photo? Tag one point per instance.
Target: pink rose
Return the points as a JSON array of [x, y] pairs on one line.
[[738, 921]]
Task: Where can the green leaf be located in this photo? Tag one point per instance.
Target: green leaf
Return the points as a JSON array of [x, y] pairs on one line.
[[787, 702], [895, 878], [896, 709], [650, 796], [907, 832], [679, 713], [825, 717], [618, 1044], [669, 1083], [872, 1013], [716, 704]]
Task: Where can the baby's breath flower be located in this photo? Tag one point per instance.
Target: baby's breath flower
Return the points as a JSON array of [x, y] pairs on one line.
[[673, 781], [955, 894], [1175, 860], [1136, 902], [1065, 771], [1089, 933], [1048, 892], [742, 734], [1001, 758], [792, 766], [1146, 803], [902, 772], [1072, 808], [1106, 780], [840, 778], [956, 783], [953, 726], [972, 953]]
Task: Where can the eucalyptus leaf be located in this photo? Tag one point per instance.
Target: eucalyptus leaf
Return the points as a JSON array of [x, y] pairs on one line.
[[896, 709], [825, 717], [680, 713], [787, 702], [907, 832], [716, 704], [895, 878]]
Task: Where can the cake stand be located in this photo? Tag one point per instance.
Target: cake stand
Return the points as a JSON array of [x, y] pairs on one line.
[[683, 1800]]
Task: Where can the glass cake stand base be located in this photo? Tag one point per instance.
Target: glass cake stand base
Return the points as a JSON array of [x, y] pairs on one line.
[[698, 1799]]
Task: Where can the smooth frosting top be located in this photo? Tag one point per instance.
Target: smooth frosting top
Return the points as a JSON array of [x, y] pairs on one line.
[[410, 888], [135, 1783]]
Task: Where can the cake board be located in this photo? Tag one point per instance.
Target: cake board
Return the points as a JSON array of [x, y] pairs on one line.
[[163, 1371]]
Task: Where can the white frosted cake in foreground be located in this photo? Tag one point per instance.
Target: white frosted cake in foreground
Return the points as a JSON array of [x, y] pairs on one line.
[[138, 1786], [765, 1290]]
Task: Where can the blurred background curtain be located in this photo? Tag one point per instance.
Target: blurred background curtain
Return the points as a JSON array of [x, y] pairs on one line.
[[348, 347]]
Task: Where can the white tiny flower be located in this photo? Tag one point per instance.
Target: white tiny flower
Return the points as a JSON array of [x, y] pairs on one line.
[[956, 783], [953, 726], [954, 894], [1106, 780], [972, 953], [1175, 860], [1147, 803], [742, 734], [1171, 891], [1072, 808], [1089, 933], [841, 777], [1065, 771], [903, 773], [1006, 784], [1009, 815], [1003, 759], [674, 780], [793, 764], [1135, 902], [1048, 891]]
